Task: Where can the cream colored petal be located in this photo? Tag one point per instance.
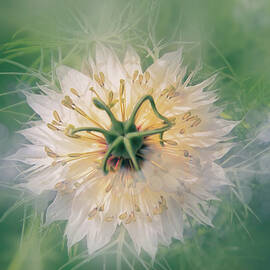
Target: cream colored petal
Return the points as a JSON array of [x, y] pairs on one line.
[[108, 63], [132, 62], [71, 78]]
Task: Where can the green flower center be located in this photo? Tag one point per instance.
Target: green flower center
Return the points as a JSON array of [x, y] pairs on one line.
[[124, 139]]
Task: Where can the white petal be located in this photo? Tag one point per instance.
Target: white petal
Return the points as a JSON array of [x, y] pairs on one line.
[[108, 63], [132, 62], [71, 78], [60, 208]]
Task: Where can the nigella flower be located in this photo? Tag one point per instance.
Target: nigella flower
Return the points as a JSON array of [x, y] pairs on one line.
[[126, 147]]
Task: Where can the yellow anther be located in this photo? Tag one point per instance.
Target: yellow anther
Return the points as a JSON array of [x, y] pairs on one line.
[[170, 142], [68, 132], [147, 76], [61, 186], [67, 102], [196, 122], [52, 127], [97, 79], [102, 78], [130, 218], [92, 213], [182, 131], [186, 115], [140, 78], [74, 92], [101, 208], [74, 155], [110, 97], [164, 92], [157, 210], [123, 216], [95, 92], [50, 153], [109, 187], [56, 116], [137, 208], [109, 219], [54, 123], [135, 75]]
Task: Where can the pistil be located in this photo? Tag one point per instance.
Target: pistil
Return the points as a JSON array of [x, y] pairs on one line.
[[123, 139]]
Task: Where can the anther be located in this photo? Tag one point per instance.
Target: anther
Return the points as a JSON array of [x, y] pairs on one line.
[[52, 127], [182, 131], [109, 219], [186, 115], [140, 78], [92, 213], [56, 116], [196, 122], [50, 153], [74, 92], [98, 80], [170, 142], [101, 208], [130, 218], [61, 186], [135, 75], [137, 208], [102, 78], [123, 216], [147, 76], [109, 187]]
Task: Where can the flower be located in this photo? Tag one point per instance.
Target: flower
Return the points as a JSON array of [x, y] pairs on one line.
[[126, 147]]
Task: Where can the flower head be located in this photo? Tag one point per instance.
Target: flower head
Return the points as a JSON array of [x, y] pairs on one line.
[[126, 147]]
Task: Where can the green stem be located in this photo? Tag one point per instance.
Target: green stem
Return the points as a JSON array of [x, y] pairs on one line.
[[109, 151], [102, 106], [131, 154], [100, 130], [149, 132], [154, 108]]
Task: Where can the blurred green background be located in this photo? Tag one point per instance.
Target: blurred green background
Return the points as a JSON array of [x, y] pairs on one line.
[[229, 37]]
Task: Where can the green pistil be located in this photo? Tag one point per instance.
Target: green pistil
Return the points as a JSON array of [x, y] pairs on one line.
[[123, 139]]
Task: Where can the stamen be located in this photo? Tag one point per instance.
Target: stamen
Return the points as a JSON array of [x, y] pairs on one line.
[[110, 98], [131, 218], [67, 102], [186, 115], [137, 208], [196, 122], [52, 127], [102, 78], [99, 80], [92, 213], [147, 76], [182, 131], [109, 187], [123, 216], [109, 219], [140, 78], [95, 92], [74, 92], [135, 75], [50, 153], [170, 142], [56, 116], [101, 208], [122, 98]]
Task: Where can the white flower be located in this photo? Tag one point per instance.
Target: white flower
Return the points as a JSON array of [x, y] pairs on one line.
[[123, 147]]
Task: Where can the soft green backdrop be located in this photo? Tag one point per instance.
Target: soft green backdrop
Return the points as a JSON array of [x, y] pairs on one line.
[[231, 37]]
